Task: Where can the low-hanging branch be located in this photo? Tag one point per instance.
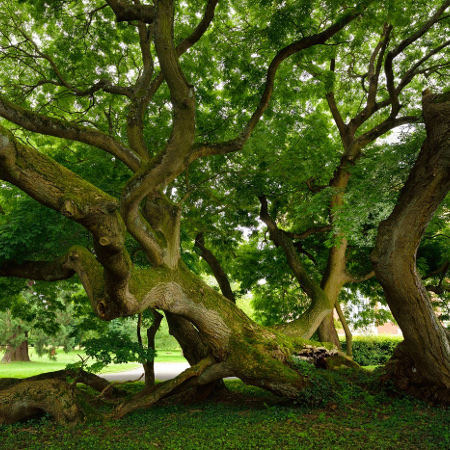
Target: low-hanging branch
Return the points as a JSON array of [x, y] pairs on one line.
[[60, 189]]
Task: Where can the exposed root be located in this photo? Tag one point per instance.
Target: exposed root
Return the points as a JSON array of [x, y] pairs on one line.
[[401, 372], [101, 385], [51, 393], [28, 399]]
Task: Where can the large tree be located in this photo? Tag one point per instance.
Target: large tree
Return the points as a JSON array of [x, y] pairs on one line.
[[85, 74]]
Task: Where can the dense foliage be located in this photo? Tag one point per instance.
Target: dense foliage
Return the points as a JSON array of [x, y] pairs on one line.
[[276, 145]]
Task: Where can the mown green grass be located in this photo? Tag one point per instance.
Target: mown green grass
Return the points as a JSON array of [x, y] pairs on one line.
[[44, 364], [251, 419]]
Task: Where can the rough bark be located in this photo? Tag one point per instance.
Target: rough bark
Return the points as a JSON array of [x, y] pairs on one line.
[[332, 283], [321, 304], [426, 344], [76, 376], [204, 321], [327, 330], [353, 143]]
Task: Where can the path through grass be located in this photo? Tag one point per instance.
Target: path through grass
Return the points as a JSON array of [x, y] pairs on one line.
[[44, 364]]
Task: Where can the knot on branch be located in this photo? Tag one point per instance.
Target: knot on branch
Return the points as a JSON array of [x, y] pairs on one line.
[[104, 240], [165, 295], [69, 208]]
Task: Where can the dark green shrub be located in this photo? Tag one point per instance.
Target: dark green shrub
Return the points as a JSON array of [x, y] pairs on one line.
[[373, 350]]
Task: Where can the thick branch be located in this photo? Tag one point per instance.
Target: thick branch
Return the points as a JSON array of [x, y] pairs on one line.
[[30, 398], [320, 303], [37, 270], [60, 189], [126, 12], [66, 130], [342, 127], [149, 398], [173, 159], [373, 76], [382, 128], [394, 257], [187, 43]]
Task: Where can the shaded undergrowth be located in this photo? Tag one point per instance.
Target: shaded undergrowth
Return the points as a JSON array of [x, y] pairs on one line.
[[340, 411]]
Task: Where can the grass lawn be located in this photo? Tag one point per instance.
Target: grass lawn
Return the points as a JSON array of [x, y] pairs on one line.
[[250, 418], [166, 356], [44, 364]]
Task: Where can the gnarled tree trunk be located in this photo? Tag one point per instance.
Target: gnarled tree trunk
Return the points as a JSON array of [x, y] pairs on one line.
[[422, 364], [233, 343]]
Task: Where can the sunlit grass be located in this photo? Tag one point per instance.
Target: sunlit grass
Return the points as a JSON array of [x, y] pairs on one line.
[[42, 364]]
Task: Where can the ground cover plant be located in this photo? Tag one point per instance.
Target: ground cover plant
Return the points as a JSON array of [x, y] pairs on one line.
[[135, 136], [251, 418]]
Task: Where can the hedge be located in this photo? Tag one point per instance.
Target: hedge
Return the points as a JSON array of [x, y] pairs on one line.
[[373, 350]]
